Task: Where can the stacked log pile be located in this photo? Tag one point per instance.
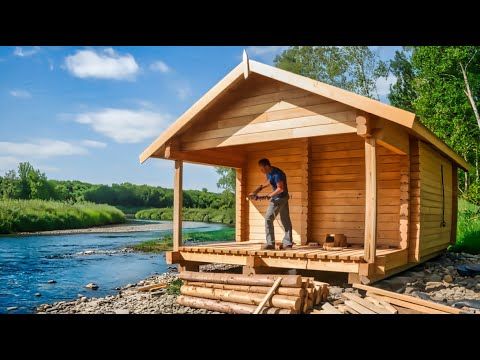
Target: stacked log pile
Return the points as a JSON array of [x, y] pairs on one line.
[[241, 294]]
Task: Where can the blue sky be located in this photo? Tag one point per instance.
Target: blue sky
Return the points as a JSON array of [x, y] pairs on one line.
[[86, 113]]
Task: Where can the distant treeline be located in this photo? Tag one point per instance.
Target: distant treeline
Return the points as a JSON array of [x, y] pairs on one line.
[[30, 183], [225, 216]]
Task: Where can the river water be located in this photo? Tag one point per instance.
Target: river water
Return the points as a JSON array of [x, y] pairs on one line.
[[28, 262]]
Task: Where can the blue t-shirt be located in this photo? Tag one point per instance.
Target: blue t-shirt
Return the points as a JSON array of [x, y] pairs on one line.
[[276, 176]]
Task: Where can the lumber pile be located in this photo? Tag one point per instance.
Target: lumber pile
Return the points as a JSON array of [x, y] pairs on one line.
[[379, 301], [251, 294]]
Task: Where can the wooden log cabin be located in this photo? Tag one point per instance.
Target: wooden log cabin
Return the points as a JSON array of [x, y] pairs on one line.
[[355, 166]]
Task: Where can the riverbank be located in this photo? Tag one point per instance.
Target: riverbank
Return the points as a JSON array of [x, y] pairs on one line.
[[166, 243], [128, 227], [20, 216], [131, 301], [436, 280]]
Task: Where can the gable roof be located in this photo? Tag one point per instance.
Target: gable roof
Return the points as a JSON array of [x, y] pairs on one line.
[[241, 72]]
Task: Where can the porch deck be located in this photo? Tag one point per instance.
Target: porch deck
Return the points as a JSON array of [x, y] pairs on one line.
[[249, 253]]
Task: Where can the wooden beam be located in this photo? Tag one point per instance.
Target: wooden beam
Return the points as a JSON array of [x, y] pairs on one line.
[[392, 136], [206, 157], [246, 65], [404, 226], [305, 195], [453, 236], [370, 242], [363, 125], [177, 205]]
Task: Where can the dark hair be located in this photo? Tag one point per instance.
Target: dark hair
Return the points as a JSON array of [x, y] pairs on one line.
[[264, 162]]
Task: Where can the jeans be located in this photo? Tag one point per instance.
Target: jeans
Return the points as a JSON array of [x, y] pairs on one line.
[[279, 206]]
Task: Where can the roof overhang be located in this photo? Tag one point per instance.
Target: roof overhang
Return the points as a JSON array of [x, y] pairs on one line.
[[240, 73]]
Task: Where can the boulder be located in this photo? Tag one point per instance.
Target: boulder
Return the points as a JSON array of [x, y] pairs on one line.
[[92, 286], [448, 278], [122, 311]]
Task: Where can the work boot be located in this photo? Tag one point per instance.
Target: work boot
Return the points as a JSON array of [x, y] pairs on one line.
[[287, 247], [268, 247]]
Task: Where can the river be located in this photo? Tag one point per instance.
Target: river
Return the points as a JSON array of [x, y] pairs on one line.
[[27, 263]]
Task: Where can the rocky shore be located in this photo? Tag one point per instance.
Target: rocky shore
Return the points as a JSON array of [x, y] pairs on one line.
[[130, 301], [436, 280]]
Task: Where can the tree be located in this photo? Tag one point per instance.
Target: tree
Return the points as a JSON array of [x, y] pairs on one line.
[[353, 68], [447, 86], [9, 185], [402, 93], [227, 179]]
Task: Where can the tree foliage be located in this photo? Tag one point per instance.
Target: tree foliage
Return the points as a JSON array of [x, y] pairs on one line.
[[353, 68], [29, 183], [431, 84]]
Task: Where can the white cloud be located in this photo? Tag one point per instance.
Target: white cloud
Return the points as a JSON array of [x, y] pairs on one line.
[[94, 144], [106, 64], [383, 84], [20, 93], [12, 153], [160, 66], [25, 52], [183, 90], [124, 125], [40, 149]]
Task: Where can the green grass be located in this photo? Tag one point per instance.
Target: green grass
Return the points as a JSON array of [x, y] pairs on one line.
[[40, 215], [174, 287], [468, 228], [225, 216], [165, 244], [130, 210]]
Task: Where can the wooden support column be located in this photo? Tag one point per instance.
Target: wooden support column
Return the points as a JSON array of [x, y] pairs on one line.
[[305, 194], [370, 199], [414, 208], [241, 205], [177, 205], [404, 200], [453, 236]]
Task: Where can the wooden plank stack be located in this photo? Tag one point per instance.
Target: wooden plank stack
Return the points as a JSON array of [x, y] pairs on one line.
[[379, 301], [241, 294]]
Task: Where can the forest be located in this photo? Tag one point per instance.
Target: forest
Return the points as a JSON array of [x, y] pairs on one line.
[[29, 183]]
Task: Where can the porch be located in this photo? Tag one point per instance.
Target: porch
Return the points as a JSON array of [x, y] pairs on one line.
[[249, 254]]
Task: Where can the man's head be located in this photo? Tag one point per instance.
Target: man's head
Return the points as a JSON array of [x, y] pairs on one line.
[[264, 165]]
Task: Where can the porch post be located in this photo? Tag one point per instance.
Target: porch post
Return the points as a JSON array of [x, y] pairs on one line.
[[177, 205], [241, 204], [370, 199]]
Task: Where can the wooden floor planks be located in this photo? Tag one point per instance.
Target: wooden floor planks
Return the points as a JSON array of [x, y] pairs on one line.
[[253, 248]]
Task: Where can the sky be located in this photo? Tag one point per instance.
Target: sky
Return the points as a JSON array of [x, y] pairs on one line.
[[86, 113]]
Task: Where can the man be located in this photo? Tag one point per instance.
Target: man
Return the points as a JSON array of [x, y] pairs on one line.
[[278, 204]]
